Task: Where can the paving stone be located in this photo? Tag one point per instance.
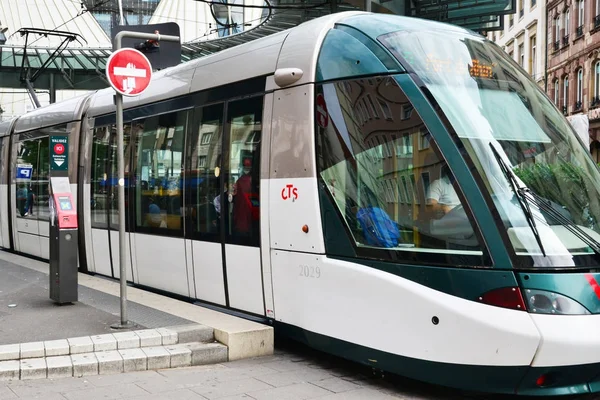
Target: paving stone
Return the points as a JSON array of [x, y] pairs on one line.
[[109, 362], [181, 394], [214, 390], [288, 378], [336, 385], [207, 353], [158, 357], [33, 368], [49, 396], [32, 350], [122, 379], [149, 337], [180, 356], [252, 371], [107, 392], [104, 342], [84, 364], [127, 340], [80, 345], [9, 370], [297, 391], [6, 393], [168, 336], [10, 352], [285, 365], [57, 347], [134, 360], [237, 397], [39, 388], [59, 367], [360, 394]]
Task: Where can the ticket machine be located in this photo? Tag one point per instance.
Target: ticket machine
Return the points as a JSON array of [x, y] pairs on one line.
[[63, 242]]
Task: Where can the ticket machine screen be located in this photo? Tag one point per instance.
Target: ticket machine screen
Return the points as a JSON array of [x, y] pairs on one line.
[[64, 203]]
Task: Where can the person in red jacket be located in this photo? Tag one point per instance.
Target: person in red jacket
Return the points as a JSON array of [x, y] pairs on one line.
[[242, 208]]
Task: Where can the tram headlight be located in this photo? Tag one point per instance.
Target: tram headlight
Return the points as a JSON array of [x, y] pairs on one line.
[[544, 302]]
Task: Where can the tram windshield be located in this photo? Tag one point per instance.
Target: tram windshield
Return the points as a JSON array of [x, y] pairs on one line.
[[540, 177]]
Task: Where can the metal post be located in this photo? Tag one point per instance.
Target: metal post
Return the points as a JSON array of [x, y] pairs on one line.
[[121, 202], [32, 93], [124, 324], [121, 19], [52, 89]]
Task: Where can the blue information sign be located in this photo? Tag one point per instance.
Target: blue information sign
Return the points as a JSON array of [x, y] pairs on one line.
[[24, 171]]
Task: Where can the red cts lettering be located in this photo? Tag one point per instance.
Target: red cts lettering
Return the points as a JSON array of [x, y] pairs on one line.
[[291, 191]]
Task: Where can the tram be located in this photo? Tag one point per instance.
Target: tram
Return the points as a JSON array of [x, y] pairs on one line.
[[394, 191]]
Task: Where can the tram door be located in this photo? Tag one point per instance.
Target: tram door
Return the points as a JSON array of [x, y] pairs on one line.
[[29, 192], [205, 194], [4, 211], [155, 201], [104, 204], [223, 204], [242, 226]]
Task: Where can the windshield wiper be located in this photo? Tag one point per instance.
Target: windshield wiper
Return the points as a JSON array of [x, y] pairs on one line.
[[543, 205], [514, 184], [524, 193]]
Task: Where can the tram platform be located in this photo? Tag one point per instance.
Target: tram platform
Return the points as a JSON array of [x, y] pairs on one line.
[[39, 338]]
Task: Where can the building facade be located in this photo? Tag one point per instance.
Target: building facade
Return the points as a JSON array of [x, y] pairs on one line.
[[524, 37], [574, 62]]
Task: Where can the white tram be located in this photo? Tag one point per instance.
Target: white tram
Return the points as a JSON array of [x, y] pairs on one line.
[[391, 190]]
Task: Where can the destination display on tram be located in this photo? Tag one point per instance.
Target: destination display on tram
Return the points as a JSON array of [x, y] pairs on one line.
[[476, 69], [480, 70]]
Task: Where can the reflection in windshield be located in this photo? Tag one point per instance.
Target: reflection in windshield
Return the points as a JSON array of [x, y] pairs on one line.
[[387, 176], [489, 101]]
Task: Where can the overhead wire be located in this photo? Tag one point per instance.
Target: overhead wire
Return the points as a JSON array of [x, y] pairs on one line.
[[79, 14], [284, 10], [64, 23], [226, 26]]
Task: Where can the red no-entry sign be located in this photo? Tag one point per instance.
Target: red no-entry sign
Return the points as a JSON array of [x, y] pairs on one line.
[[128, 71]]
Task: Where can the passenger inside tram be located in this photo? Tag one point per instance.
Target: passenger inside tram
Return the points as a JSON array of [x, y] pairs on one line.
[[242, 205]]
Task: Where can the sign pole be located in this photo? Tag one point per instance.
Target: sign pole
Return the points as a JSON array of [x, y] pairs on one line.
[[125, 323], [121, 202]]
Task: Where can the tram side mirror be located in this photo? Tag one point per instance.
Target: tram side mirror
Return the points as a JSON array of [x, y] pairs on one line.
[[287, 76]]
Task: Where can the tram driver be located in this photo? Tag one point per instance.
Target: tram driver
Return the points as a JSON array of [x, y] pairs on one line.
[[441, 196]]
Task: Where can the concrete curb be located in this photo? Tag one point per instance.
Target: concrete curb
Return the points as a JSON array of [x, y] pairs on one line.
[[147, 349], [243, 338]]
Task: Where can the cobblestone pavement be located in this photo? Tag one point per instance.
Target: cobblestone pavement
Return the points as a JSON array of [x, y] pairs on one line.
[[294, 372]]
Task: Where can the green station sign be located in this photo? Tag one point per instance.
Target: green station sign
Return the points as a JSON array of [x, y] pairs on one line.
[[59, 153]]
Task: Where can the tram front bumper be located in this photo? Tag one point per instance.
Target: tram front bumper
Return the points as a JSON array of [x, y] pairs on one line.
[[568, 358]]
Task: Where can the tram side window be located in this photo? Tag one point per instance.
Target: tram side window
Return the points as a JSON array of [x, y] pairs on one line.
[[33, 177], [112, 181], [158, 172], [244, 120], [100, 195], [206, 196], [387, 177]]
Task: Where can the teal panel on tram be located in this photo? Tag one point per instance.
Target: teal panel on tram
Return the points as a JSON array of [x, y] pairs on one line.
[[348, 53]]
